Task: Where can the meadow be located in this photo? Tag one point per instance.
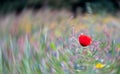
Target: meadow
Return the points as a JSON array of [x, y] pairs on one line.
[[47, 43]]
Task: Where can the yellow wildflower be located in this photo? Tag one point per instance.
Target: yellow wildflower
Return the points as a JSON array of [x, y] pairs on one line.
[[25, 25], [106, 20], [28, 28], [99, 65]]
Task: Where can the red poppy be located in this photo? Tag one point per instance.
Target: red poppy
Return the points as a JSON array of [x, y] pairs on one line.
[[85, 40]]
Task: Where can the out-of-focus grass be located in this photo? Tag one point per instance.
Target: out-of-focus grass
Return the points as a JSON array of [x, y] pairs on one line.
[[47, 43]]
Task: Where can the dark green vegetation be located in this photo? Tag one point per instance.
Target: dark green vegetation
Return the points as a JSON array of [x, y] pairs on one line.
[[7, 6]]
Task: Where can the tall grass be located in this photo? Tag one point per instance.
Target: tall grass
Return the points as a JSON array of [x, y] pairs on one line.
[[50, 45]]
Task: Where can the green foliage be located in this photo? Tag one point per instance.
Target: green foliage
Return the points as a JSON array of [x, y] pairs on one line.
[[97, 6], [39, 58], [53, 46]]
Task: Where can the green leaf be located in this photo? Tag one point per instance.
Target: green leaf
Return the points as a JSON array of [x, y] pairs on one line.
[[52, 45], [89, 53], [113, 47], [118, 45]]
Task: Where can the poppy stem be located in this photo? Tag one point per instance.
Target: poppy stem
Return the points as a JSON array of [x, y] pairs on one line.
[[82, 49]]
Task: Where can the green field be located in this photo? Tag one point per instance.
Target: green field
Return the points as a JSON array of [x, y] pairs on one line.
[[47, 43]]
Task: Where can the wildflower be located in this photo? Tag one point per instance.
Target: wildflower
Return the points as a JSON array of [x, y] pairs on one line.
[[28, 28], [99, 65], [106, 20], [25, 26], [79, 67], [85, 40]]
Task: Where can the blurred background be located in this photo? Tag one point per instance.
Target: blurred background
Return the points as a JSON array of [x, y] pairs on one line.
[[90, 6], [41, 36]]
